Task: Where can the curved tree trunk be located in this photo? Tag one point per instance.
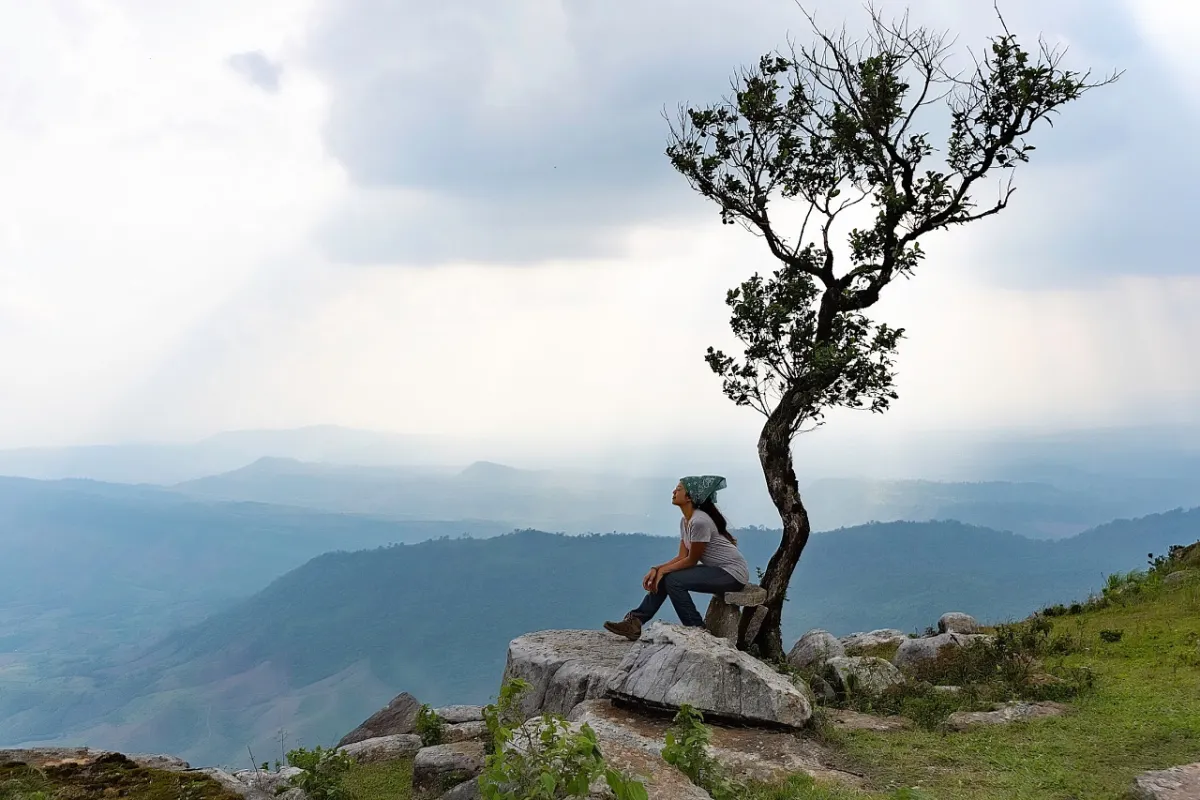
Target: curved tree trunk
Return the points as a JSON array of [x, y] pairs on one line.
[[775, 454]]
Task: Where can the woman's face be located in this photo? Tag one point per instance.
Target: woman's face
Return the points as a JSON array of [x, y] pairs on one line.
[[680, 495]]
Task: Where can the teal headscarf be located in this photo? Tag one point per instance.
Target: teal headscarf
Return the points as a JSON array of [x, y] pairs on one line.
[[702, 487]]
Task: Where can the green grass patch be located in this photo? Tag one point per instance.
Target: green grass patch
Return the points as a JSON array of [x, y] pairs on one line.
[[1142, 713], [386, 780], [108, 777], [884, 650]]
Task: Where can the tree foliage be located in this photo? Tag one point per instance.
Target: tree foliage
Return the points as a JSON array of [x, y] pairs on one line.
[[834, 126]]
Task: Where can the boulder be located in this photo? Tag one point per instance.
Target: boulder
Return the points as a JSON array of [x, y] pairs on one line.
[[861, 675], [1182, 576], [231, 783], [383, 748], [957, 622], [442, 767], [272, 783], [467, 790], [465, 732], [915, 652], [722, 619], [453, 715], [877, 638], [397, 717], [814, 649], [1009, 712], [750, 753], [849, 720], [564, 668], [160, 761], [1176, 783], [672, 665]]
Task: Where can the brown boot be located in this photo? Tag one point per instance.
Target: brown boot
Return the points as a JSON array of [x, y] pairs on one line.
[[630, 627]]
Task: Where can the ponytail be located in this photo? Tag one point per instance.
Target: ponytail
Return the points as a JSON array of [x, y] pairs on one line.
[[710, 508]]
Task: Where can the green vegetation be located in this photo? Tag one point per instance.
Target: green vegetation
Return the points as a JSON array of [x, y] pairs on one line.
[[430, 727], [107, 777], [1141, 712], [383, 780], [324, 776], [544, 759]]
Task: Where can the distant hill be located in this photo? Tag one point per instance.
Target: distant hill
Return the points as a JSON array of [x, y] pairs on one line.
[[328, 643]]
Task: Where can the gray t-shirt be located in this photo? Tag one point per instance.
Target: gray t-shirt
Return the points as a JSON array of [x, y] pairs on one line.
[[720, 551]]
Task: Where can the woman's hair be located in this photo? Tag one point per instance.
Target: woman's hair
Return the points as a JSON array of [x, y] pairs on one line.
[[710, 508]]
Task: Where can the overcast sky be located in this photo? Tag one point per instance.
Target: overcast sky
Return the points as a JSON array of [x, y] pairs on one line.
[[456, 217]]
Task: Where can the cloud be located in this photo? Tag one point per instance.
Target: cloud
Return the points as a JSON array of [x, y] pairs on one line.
[[259, 70]]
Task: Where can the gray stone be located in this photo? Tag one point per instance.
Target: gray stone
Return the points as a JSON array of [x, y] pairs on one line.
[[1176, 783], [159, 761], [1009, 712], [383, 748], [672, 665], [233, 784], [440, 768], [757, 618], [861, 675], [750, 595], [722, 619], [267, 781], [564, 668], [814, 649], [875, 638], [467, 790], [1182, 576], [397, 717], [915, 652], [823, 693], [957, 622], [452, 715], [465, 732]]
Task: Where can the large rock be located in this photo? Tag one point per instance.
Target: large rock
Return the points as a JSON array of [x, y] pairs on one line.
[[882, 637], [861, 675], [467, 790], [1009, 712], [464, 732], [913, 653], [750, 753], [442, 767], [383, 748], [1181, 576], [397, 717], [231, 783], [1176, 783], [564, 668], [672, 665], [453, 715], [815, 648], [722, 619], [272, 783], [957, 622]]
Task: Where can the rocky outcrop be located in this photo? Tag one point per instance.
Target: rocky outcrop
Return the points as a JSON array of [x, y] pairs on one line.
[[465, 732], [398, 717], [957, 622], [42, 757], [1176, 783], [912, 653], [861, 675], [671, 666], [438, 769], [1181, 576], [232, 784], [1009, 712], [272, 783], [883, 637], [815, 648], [750, 753], [383, 748], [564, 668]]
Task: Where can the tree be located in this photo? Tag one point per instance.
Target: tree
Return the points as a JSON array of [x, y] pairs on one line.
[[832, 126]]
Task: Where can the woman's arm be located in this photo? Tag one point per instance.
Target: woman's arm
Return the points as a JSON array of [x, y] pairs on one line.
[[685, 560]]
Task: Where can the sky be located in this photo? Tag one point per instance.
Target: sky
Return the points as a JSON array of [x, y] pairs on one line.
[[457, 218]]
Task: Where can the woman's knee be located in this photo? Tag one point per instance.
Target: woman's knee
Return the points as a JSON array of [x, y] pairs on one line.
[[671, 581]]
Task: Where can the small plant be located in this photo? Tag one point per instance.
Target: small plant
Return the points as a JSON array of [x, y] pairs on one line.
[[1111, 635], [686, 750], [430, 727], [324, 771], [543, 759]]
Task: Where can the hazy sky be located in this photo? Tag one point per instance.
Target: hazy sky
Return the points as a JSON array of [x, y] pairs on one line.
[[456, 217]]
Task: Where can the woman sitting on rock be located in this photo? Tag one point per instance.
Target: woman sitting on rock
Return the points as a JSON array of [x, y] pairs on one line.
[[708, 560]]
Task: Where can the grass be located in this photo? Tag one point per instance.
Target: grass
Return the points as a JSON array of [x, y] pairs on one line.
[[1144, 713], [387, 780], [108, 777]]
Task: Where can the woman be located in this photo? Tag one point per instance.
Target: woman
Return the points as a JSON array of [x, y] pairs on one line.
[[708, 561]]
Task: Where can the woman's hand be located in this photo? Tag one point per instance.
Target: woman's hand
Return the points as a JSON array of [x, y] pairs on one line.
[[650, 582]]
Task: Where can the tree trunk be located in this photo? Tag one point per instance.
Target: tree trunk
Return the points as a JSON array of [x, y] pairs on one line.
[[775, 454]]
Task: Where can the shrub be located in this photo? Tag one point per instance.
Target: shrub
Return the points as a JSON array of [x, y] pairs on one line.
[[324, 772], [544, 760], [430, 727], [1110, 635], [685, 749]]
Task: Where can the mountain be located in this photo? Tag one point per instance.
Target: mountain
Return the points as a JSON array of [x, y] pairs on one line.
[[329, 643]]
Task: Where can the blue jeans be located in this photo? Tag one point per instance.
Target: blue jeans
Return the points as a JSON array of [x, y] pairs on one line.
[[677, 585]]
